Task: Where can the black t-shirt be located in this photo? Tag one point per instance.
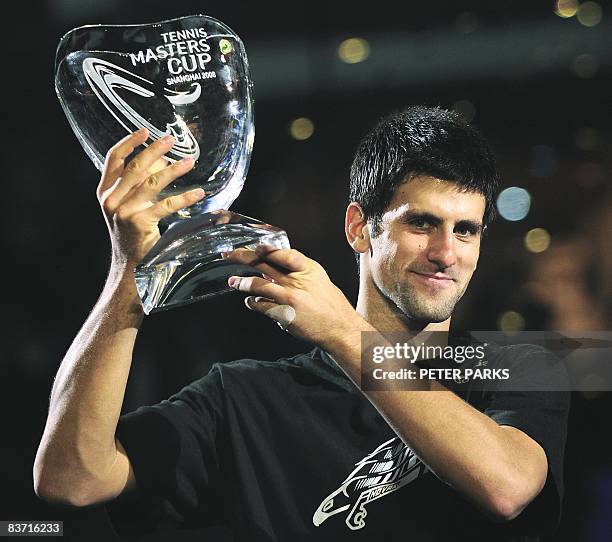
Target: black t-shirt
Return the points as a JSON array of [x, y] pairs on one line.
[[292, 450]]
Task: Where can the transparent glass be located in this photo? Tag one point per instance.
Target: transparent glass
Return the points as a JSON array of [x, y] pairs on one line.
[[188, 77]]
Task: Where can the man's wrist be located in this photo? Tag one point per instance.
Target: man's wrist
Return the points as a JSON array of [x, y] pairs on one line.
[[345, 342], [120, 291]]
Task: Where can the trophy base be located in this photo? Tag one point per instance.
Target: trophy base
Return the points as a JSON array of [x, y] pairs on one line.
[[185, 265]]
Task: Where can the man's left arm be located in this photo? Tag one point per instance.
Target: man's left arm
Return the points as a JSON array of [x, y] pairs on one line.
[[498, 467]]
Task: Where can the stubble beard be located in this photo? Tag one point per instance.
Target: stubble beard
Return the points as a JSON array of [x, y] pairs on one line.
[[425, 308]]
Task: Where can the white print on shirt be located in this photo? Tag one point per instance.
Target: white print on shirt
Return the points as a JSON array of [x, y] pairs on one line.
[[389, 467]]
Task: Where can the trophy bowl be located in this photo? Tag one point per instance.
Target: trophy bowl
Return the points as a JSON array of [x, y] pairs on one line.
[[188, 77]]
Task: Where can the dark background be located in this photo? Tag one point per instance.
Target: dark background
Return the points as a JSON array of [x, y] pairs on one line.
[[539, 89]]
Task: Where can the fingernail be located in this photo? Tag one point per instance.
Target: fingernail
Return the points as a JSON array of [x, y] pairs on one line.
[[168, 138], [188, 160], [233, 282], [197, 193]]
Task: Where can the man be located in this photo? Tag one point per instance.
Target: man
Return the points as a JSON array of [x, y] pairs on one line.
[[293, 449]]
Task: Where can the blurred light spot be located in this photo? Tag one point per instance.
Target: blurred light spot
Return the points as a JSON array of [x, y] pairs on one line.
[[585, 65], [354, 50], [587, 139], [589, 174], [466, 22], [537, 240], [301, 129], [589, 14], [513, 203], [511, 321], [466, 109], [566, 8], [592, 386], [542, 161]]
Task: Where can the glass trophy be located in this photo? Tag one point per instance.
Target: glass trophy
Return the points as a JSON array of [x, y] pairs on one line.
[[188, 77]]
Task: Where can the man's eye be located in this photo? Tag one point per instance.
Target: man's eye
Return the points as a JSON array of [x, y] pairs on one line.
[[465, 231], [420, 223]]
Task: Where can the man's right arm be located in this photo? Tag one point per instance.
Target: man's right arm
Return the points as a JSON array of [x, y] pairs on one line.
[[79, 460]]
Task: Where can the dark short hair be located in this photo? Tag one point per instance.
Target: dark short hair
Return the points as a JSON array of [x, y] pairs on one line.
[[421, 141]]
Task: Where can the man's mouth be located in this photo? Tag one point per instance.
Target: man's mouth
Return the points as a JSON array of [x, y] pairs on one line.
[[439, 279]]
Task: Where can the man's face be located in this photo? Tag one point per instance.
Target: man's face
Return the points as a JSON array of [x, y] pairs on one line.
[[428, 247]]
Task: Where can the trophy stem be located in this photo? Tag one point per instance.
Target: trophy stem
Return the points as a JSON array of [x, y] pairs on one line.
[[186, 265]]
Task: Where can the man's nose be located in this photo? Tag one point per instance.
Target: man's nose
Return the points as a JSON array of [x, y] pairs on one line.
[[441, 249]]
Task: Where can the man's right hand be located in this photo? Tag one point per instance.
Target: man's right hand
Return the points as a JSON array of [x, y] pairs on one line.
[[128, 192]]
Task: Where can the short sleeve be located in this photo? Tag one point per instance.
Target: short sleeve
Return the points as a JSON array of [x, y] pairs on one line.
[[536, 404], [175, 448]]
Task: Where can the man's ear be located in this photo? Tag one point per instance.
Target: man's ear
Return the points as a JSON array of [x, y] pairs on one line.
[[356, 228]]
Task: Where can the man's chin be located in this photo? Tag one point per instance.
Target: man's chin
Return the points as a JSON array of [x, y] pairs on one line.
[[428, 318], [425, 312]]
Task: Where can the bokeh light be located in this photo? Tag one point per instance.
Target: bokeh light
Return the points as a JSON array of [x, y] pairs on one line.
[[513, 203], [587, 139], [537, 240], [354, 50], [566, 8], [585, 65], [589, 14], [511, 321], [301, 128]]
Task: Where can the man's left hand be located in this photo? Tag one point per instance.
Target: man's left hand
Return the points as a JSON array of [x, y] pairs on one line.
[[297, 293]]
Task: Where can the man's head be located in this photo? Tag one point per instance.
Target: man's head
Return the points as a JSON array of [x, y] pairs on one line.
[[422, 190]]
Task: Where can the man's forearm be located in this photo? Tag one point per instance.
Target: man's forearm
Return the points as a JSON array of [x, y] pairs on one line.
[[78, 442], [497, 467], [78, 447]]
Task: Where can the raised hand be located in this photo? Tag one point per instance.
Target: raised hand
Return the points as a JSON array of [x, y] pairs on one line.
[[128, 192], [297, 293]]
